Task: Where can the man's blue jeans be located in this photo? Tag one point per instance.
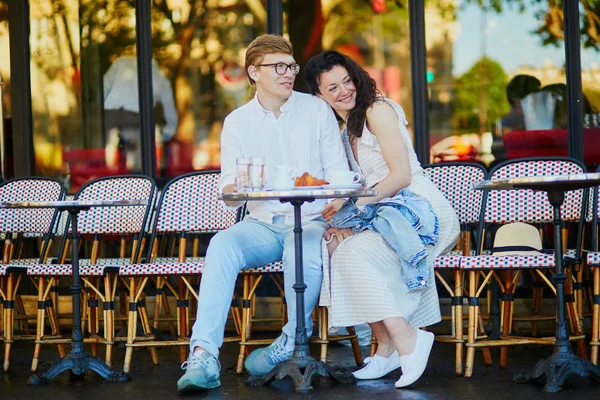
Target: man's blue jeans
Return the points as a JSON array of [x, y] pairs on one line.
[[252, 243]]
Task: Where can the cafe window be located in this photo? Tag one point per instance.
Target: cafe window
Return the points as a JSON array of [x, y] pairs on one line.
[[497, 84], [200, 48]]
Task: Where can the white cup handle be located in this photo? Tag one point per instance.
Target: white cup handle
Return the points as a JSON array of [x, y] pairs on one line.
[[356, 178]]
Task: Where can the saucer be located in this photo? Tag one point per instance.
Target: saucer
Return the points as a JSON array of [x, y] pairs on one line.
[[344, 186], [307, 187]]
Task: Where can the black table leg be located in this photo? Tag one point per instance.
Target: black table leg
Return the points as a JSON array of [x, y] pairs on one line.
[[301, 359], [563, 362], [78, 361]]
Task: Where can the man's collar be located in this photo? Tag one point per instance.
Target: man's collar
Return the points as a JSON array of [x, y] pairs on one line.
[[285, 108]]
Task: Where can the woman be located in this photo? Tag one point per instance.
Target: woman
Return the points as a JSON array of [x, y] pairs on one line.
[[370, 279]]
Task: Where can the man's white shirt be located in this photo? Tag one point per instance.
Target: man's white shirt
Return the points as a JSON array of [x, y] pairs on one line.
[[305, 137]]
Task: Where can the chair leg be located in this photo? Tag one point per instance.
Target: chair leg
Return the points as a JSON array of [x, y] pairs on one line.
[[143, 314], [53, 319], [109, 318], [508, 303], [457, 315], [131, 326], [538, 289], [373, 347], [324, 332], [245, 334], [8, 318], [39, 330], [472, 324], [21, 310], [596, 317], [358, 358]]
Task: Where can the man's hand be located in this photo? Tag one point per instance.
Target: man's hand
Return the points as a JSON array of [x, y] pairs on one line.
[[331, 209], [340, 234], [231, 188]]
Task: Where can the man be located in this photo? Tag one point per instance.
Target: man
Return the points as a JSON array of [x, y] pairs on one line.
[[122, 109], [287, 128]]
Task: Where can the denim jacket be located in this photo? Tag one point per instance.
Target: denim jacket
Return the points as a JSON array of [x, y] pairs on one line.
[[406, 222]]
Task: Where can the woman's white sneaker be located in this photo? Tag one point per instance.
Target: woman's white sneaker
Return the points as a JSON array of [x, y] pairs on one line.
[[376, 366], [413, 365]]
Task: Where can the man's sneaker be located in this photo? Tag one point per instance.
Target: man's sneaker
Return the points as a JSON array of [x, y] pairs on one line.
[[201, 373], [376, 366], [261, 361]]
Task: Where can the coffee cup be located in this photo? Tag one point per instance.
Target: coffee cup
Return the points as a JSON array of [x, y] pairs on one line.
[[284, 178], [343, 177]]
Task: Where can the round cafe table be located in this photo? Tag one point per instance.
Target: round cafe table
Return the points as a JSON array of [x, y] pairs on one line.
[[78, 361], [302, 366], [563, 362]]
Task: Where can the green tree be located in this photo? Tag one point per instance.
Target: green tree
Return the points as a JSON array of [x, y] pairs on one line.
[[485, 79]]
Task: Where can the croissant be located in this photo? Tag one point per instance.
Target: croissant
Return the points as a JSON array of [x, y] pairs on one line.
[[307, 179]]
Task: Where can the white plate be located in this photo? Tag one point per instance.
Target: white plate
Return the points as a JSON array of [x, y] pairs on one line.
[[344, 186], [307, 187]]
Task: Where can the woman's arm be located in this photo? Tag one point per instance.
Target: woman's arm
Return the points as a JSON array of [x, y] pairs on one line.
[[382, 121]]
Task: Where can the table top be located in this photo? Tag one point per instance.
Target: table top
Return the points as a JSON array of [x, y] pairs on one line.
[[547, 183], [298, 194], [83, 204]]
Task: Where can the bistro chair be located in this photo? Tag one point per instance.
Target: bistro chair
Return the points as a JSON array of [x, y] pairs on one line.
[[17, 225], [507, 206], [99, 271], [455, 180], [187, 206], [593, 261]]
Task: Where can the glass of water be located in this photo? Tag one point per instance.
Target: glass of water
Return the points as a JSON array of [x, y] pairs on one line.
[[257, 173], [242, 178]]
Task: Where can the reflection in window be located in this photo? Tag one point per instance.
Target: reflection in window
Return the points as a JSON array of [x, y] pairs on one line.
[[56, 104], [201, 47], [494, 57]]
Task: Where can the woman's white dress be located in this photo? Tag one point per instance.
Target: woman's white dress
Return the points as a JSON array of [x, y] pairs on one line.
[[362, 282]]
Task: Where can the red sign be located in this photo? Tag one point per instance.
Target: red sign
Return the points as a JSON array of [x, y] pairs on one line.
[[378, 6]]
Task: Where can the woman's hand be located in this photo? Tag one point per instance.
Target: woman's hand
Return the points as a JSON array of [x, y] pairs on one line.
[[331, 209], [340, 234]]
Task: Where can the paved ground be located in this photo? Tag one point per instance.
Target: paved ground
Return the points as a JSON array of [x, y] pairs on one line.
[[158, 382]]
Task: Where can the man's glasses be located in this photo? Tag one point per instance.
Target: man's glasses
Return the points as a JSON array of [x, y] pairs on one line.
[[281, 68]]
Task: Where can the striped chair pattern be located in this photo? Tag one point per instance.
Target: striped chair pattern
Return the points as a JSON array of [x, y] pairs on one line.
[[506, 206], [15, 224], [187, 206], [455, 181], [98, 273]]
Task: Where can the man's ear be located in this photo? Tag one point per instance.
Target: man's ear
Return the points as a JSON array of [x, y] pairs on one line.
[[253, 72]]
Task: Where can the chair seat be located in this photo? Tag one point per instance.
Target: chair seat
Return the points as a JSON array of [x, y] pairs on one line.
[[6, 268], [447, 261], [593, 259], [460, 253], [276, 266], [67, 270], [508, 262], [113, 262], [24, 261], [162, 269]]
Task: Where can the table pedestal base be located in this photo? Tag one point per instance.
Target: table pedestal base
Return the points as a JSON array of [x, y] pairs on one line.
[[78, 364], [302, 381], [557, 368]]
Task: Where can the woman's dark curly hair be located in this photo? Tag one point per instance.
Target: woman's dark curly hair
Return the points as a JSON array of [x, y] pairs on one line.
[[366, 89]]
